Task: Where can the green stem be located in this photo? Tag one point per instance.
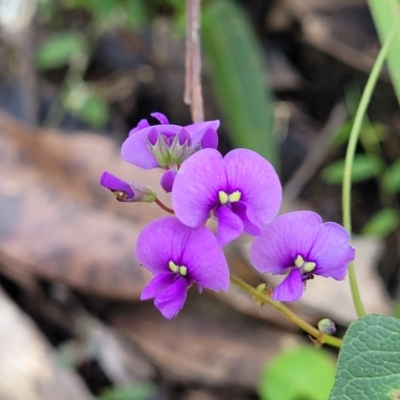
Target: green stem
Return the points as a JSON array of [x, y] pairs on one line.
[[351, 147], [320, 337]]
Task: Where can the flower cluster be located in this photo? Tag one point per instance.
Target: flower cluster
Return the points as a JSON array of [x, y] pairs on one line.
[[242, 192]]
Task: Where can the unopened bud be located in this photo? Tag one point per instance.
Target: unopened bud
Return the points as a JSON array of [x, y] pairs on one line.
[[128, 191], [326, 326]]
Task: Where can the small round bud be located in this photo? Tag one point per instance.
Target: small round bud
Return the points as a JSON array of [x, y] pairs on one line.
[[326, 326]]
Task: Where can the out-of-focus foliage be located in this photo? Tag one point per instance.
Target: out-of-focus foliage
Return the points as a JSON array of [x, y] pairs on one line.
[[385, 15], [364, 167], [239, 78], [59, 49], [302, 373], [72, 49], [382, 223], [142, 391]]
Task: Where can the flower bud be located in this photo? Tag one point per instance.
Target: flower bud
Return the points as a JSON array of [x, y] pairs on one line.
[[159, 147], [128, 191], [326, 326]]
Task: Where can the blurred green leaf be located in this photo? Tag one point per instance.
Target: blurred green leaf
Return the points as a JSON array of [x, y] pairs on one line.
[[302, 373], [391, 178], [385, 15], [364, 167], [86, 105], [59, 48], [140, 391], [382, 223], [239, 78]]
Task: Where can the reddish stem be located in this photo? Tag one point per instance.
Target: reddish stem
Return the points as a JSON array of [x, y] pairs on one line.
[[164, 207]]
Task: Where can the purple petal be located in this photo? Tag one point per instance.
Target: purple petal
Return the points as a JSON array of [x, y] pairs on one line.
[[143, 123], [199, 130], [135, 148], [290, 289], [331, 251], [160, 242], [205, 260], [257, 180], [157, 284], [171, 300], [210, 139], [230, 226], [196, 186], [184, 137], [251, 222], [167, 180], [113, 183], [282, 240], [160, 117]]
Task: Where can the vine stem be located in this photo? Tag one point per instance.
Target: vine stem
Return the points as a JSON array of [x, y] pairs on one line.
[[164, 207], [351, 147], [321, 338]]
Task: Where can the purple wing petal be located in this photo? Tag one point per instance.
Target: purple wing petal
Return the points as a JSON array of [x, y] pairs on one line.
[[112, 182], [160, 117], [167, 180], [196, 186], [257, 180], [209, 139], [331, 251], [160, 242], [199, 130], [230, 226], [282, 240], [143, 123], [251, 222], [205, 260], [171, 300], [157, 284], [290, 289], [135, 149]]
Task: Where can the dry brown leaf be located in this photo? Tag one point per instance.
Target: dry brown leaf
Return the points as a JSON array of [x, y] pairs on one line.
[[206, 343], [28, 368], [57, 223]]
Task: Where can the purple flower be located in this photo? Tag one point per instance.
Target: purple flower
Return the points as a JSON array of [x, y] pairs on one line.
[[242, 190], [300, 245], [179, 256], [127, 191], [166, 145]]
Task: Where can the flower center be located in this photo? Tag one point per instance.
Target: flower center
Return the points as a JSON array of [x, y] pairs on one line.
[[178, 269], [225, 198], [305, 266]]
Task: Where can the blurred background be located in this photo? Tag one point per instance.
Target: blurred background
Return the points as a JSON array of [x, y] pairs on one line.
[[285, 79]]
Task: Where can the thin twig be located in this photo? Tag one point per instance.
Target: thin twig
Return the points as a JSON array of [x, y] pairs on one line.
[[316, 155], [193, 92]]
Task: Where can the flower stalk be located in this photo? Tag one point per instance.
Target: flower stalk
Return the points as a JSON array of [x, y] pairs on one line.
[[263, 298], [351, 148]]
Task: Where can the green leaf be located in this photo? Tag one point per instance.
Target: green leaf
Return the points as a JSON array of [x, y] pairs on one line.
[[385, 15], [140, 391], [239, 78], [391, 178], [58, 49], [302, 373], [369, 360], [83, 102], [382, 223], [364, 167]]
